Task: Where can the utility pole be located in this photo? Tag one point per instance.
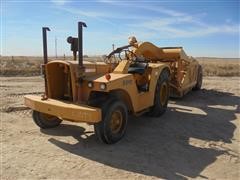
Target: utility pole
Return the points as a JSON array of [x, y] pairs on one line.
[[113, 47], [56, 47]]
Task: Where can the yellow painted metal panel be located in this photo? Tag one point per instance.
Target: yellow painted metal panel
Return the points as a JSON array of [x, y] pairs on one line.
[[64, 110], [126, 82]]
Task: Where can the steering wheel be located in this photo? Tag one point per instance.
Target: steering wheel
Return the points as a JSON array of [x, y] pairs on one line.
[[129, 55]]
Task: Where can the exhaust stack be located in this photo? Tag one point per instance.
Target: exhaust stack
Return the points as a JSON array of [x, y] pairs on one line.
[[80, 43], [81, 68], [44, 33], [45, 60]]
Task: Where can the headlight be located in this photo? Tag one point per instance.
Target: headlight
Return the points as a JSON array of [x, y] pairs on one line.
[[103, 86], [90, 84]]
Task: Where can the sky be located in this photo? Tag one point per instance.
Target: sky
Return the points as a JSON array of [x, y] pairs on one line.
[[204, 28]]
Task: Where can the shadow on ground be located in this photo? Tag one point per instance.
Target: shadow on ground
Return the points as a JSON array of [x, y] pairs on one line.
[[160, 146]]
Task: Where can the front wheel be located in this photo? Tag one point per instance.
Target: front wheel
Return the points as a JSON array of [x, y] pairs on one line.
[[114, 122], [45, 120]]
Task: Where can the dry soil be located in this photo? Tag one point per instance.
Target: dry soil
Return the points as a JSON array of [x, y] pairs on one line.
[[198, 137]]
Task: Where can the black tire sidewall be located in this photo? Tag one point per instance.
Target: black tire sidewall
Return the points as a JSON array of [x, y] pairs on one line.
[[199, 79], [44, 123], [111, 137], [163, 79], [102, 129], [158, 109]]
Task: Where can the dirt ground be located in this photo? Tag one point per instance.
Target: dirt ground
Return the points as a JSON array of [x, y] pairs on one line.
[[198, 137]]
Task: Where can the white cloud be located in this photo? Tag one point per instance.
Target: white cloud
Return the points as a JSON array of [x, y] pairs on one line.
[[179, 24], [164, 10], [158, 9], [177, 15], [169, 28], [107, 1], [101, 16], [174, 24], [92, 14], [60, 2], [199, 32]]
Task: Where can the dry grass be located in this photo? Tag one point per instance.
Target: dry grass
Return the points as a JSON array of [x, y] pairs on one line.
[[25, 65], [220, 66], [30, 66]]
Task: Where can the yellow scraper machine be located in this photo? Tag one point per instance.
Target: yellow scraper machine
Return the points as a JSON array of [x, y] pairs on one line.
[[134, 79]]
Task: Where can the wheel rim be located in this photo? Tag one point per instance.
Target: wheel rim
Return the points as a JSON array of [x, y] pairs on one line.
[[163, 93], [116, 121]]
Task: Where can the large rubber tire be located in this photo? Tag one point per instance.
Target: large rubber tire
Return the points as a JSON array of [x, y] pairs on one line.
[[199, 79], [45, 121], [104, 129], [160, 99]]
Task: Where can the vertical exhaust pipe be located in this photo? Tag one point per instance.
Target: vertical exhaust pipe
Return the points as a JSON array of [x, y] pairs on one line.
[[81, 68], [44, 34], [80, 43], [45, 60]]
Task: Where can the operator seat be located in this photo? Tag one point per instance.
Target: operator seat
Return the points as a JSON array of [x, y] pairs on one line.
[[140, 64], [138, 67]]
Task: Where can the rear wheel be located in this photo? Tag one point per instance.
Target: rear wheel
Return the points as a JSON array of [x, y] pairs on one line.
[[199, 79], [161, 95], [45, 120], [114, 122]]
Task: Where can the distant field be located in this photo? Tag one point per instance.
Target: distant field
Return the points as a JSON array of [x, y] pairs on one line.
[[20, 66], [25, 65], [30, 66], [220, 66]]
